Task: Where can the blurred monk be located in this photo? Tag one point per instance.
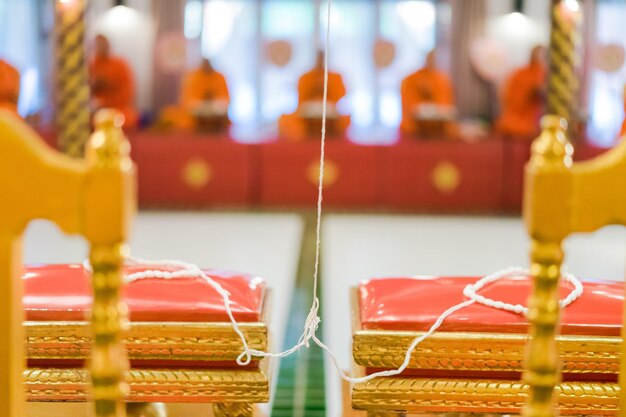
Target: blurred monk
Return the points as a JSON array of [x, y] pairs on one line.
[[9, 86], [523, 98], [427, 97], [112, 84], [204, 101], [306, 121]]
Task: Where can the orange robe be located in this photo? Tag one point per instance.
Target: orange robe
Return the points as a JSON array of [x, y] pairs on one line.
[[198, 86], [112, 86], [9, 86], [523, 102], [425, 86], [310, 89]]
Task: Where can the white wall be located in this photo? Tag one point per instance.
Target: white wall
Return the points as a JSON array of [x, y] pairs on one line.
[[519, 35]]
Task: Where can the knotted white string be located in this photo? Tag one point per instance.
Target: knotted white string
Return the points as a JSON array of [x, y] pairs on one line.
[[313, 319]]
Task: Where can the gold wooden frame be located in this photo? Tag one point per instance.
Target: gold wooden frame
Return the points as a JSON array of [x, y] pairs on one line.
[[95, 198], [475, 352], [244, 387], [231, 390], [561, 198], [155, 341], [481, 352]]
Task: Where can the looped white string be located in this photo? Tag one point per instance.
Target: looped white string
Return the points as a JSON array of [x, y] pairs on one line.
[[471, 291], [313, 320]]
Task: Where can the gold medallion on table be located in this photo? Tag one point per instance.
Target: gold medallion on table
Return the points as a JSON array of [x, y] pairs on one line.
[[446, 177], [196, 173], [331, 172]]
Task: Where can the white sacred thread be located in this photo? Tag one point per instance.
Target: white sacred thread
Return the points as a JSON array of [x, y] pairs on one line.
[[313, 319], [471, 292]]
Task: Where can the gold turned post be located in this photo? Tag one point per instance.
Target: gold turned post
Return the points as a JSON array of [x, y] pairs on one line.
[[232, 410], [94, 198], [547, 176], [108, 154], [146, 410], [561, 198]]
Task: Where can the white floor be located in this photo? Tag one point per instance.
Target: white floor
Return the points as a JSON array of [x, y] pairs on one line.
[[355, 247]]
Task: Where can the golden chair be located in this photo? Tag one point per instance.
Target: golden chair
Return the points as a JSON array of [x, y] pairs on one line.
[[184, 352], [562, 198], [475, 362], [94, 197]]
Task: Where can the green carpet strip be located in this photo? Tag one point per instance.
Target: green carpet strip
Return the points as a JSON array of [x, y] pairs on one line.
[[300, 387]]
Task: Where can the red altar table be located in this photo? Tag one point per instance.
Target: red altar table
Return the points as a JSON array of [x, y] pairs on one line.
[[289, 174], [191, 170], [444, 175]]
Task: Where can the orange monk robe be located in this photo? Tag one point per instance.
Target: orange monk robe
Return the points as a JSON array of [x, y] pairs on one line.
[[523, 102], [112, 86], [9, 86], [426, 86], [311, 89], [198, 86]]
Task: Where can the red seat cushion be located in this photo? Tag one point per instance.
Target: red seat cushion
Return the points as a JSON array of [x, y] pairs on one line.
[[63, 293], [414, 303]]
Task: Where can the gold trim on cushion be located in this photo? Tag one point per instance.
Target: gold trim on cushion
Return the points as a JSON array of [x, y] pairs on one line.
[[172, 341], [482, 396], [150, 385], [463, 351]]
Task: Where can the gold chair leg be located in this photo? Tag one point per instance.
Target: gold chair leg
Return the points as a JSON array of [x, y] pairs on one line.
[[385, 414], [146, 410], [232, 410]]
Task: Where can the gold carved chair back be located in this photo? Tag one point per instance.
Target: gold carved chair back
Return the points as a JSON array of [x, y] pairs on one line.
[[561, 198], [95, 198]]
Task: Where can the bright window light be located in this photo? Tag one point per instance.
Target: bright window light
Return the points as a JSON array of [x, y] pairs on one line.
[[572, 5], [417, 14], [219, 19], [193, 19]]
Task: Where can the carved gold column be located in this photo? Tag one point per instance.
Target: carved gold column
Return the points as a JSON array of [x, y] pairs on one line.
[[72, 95], [564, 38], [546, 175]]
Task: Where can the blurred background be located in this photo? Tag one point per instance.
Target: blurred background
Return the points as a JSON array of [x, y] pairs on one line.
[[262, 47]]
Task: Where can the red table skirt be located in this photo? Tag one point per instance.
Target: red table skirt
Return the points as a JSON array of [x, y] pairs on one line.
[[289, 175], [190, 170], [444, 175], [193, 170]]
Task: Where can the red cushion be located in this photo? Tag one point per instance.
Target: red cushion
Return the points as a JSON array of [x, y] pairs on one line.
[[62, 292], [414, 303]]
